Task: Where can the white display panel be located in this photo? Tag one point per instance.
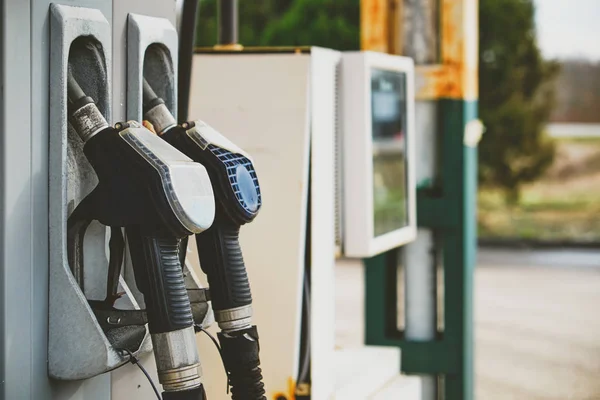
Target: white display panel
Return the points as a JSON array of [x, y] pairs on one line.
[[377, 131]]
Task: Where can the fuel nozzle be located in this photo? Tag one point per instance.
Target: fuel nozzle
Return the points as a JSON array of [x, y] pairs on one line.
[[83, 114], [159, 196], [238, 200], [155, 110]]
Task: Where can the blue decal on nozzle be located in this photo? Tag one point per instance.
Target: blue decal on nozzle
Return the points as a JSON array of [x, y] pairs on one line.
[[247, 188]]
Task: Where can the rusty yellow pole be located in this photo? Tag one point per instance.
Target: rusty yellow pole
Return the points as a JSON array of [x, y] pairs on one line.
[[374, 21], [456, 77], [451, 80]]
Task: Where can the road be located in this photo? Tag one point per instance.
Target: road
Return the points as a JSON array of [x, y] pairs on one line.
[[537, 323], [573, 130]]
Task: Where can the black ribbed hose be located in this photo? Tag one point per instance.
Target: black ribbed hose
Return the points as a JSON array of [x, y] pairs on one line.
[[193, 394], [240, 354]]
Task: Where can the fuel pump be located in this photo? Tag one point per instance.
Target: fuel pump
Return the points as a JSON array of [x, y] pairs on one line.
[[238, 200], [159, 196]]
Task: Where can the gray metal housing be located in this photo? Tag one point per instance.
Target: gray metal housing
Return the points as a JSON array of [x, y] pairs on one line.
[[151, 44], [77, 346], [24, 202], [143, 31]]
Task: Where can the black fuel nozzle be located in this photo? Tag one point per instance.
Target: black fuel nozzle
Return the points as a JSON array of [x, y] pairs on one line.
[[238, 201], [160, 196]]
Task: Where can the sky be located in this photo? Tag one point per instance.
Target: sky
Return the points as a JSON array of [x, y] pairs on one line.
[[569, 28]]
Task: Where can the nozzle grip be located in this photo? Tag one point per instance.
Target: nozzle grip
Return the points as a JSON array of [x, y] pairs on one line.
[[222, 261], [159, 276]]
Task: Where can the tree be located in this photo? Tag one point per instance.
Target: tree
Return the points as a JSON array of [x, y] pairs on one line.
[[327, 23], [516, 97], [516, 83], [254, 17], [578, 86]]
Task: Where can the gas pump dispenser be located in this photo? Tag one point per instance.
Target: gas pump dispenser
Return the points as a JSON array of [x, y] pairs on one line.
[[81, 310], [238, 200], [159, 196]]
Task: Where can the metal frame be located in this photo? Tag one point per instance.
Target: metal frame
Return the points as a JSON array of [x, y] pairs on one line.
[[142, 32], [448, 208], [23, 338]]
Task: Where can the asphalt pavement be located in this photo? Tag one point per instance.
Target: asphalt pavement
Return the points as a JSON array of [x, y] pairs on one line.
[[537, 322], [537, 325]]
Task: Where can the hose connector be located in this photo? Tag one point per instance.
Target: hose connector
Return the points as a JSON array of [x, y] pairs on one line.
[[161, 118], [177, 359], [234, 319], [84, 115], [155, 110]]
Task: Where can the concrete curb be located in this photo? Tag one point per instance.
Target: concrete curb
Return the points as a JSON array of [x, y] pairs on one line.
[[536, 243]]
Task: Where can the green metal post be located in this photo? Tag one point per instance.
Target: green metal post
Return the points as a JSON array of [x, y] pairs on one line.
[[459, 177], [454, 208]]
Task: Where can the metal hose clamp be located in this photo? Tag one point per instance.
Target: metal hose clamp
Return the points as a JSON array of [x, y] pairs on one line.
[[234, 319]]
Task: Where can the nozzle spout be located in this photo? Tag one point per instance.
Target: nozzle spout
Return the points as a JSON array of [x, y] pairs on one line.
[[148, 94], [155, 110], [74, 91]]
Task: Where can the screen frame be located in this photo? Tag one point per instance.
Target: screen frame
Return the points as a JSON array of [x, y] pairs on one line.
[[358, 225]]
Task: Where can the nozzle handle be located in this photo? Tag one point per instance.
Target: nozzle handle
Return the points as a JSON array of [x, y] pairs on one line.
[[159, 276], [222, 261]]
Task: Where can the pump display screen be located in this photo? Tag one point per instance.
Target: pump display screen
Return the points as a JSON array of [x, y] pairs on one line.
[[388, 116]]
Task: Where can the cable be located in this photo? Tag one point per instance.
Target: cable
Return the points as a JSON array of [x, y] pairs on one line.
[[304, 370], [198, 328], [304, 376], [187, 36], [134, 360]]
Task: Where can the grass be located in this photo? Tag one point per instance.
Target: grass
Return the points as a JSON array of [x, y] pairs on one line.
[[562, 205]]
